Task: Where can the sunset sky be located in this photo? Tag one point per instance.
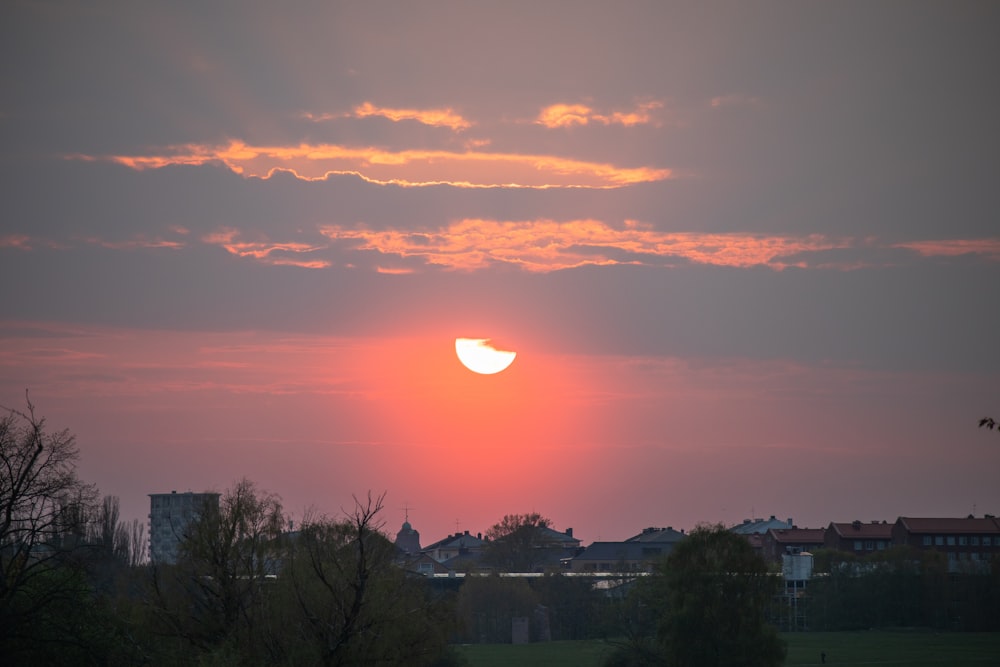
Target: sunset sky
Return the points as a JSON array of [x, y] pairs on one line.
[[748, 254]]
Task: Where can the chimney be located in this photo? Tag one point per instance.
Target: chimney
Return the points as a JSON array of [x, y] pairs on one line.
[[790, 521], [569, 532]]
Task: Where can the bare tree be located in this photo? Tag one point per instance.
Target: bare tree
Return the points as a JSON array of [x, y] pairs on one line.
[[988, 422], [354, 605], [43, 515], [213, 595]]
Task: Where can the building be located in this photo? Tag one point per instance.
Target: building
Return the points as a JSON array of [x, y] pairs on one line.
[[620, 556], [667, 534], [777, 542], [759, 526], [408, 539], [858, 538], [967, 543], [636, 554], [459, 544], [169, 516]]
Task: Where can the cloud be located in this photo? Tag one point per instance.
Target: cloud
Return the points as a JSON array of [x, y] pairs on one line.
[[955, 247], [547, 245], [278, 254], [568, 115], [430, 117], [407, 167]]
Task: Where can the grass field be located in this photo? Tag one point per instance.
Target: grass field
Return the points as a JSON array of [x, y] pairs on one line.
[[913, 649]]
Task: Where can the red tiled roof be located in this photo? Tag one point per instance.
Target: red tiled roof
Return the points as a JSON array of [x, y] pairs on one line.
[[876, 531], [950, 525]]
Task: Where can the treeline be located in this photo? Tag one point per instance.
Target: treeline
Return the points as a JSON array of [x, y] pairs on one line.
[[901, 587], [75, 588]]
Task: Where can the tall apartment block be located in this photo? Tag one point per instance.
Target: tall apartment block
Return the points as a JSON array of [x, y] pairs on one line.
[[169, 516]]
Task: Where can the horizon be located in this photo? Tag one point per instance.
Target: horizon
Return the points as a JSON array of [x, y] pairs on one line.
[[746, 255]]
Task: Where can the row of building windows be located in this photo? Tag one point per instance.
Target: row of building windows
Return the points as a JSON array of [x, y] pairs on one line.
[[960, 540], [871, 545], [972, 555]]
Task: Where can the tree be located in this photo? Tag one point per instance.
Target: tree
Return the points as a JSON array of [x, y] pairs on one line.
[[711, 595], [518, 544], [340, 598], [989, 423], [213, 597], [43, 513]]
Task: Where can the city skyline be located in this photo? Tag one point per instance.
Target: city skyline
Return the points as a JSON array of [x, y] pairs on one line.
[[746, 255]]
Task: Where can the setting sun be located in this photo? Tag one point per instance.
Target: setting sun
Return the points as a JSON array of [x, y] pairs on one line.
[[479, 356]]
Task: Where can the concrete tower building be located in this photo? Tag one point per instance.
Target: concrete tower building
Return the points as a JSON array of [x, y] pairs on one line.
[[169, 516]]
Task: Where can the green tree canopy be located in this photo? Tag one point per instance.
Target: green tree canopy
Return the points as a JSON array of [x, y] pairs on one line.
[[712, 594]]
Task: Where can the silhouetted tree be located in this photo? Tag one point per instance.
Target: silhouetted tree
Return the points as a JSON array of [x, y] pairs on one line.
[[711, 597], [989, 423], [517, 543], [43, 513], [348, 603], [213, 597]]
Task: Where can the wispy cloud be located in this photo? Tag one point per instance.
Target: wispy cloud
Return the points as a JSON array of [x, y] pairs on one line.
[[954, 247], [568, 115], [446, 117], [21, 241], [408, 167], [278, 254], [546, 245]]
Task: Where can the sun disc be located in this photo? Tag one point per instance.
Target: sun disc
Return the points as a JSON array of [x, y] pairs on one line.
[[479, 356]]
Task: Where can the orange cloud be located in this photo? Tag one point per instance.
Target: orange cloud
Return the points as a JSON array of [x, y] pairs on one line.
[[954, 247], [407, 168], [546, 245], [434, 117], [568, 115], [266, 251]]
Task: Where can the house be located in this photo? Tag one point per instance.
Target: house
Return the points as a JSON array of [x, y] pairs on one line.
[[636, 554], [968, 543], [628, 556], [667, 534], [777, 542], [759, 526], [459, 544], [858, 538], [423, 564]]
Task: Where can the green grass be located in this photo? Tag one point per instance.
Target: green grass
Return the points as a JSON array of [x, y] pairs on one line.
[[919, 649], [585, 653], [909, 648]]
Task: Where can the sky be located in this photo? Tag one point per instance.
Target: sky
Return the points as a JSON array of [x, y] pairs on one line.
[[747, 253]]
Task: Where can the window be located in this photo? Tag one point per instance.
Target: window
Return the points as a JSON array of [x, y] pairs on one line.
[[927, 540], [857, 545], [938, 540], [986, 540], [962, 540], [975, 556], [951, 540], [974, 540], [869, 545], [881, 545]]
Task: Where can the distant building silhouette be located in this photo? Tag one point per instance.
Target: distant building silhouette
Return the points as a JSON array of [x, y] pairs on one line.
[[169, 516], [408, 539]]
